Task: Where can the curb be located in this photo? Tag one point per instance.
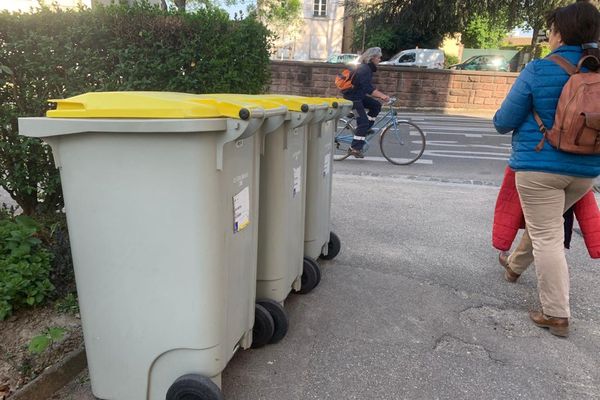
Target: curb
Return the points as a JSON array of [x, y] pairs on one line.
[[53, 378]]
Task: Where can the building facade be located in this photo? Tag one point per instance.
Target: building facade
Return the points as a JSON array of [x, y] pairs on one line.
[[320, 34]]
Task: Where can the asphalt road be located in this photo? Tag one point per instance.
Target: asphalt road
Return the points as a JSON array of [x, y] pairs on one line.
[[459, 149]]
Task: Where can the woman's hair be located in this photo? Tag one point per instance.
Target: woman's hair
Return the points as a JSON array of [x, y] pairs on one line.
[[369, 54], [579, 24]]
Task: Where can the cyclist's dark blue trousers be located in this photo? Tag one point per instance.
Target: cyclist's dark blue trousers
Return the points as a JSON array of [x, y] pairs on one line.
[[362, 120]]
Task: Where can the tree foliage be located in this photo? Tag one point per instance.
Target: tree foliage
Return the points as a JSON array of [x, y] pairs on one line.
[[532, 13], [483, 32], [284, 20], [424, 23]]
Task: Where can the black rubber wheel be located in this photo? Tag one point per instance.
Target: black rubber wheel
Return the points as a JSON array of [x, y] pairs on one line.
[[402, 142], [279, 316], [333, 247], [194, 387], [264, 327], [311, 275]]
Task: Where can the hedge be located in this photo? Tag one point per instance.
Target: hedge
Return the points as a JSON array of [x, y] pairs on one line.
[[57, 54]]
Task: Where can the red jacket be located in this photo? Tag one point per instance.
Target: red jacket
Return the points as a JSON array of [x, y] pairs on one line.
[[508, 217]]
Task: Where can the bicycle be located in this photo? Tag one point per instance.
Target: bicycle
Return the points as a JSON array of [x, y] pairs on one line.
[[401, 142]]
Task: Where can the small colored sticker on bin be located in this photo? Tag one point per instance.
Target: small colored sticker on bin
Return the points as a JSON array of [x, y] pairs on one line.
[[297, 186], [241, 210]]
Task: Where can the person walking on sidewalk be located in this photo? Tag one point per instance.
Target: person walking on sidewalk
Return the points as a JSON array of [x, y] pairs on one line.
[[363, 95], [548, 181]]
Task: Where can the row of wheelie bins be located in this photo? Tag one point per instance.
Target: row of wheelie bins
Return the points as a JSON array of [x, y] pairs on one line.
[[191, 219]]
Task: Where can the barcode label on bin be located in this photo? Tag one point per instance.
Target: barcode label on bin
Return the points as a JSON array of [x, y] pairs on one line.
[[241, 210]]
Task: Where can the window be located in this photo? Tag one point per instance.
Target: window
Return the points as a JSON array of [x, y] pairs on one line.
[[320, 9], [408, 57]]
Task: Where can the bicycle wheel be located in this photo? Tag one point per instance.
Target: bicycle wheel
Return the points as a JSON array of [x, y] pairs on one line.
[[402, 143], [343, 139]]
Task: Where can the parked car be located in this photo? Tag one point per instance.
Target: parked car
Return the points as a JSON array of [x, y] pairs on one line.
[[423, 58], [483, 63], [344, 58]]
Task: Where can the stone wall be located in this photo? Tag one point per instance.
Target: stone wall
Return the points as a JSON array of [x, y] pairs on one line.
[[415, 88]]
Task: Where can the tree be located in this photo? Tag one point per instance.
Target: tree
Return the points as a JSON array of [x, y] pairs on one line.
[[422, 23], [534, 13], [284, 19], [484, 32]]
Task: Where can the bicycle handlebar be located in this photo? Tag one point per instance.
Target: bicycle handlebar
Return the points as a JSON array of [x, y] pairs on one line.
[[392, 100]]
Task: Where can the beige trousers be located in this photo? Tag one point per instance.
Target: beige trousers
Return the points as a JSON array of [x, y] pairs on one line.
[[544, 199]]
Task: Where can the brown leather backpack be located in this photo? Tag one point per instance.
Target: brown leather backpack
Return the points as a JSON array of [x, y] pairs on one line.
[[576, 126]]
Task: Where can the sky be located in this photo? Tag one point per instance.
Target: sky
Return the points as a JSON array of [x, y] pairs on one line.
[[519, 32]]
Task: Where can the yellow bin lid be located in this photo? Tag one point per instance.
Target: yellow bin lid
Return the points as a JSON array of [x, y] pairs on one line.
[[292, 103], [296, 103], [150, 105], [249, 100], [334, 102]]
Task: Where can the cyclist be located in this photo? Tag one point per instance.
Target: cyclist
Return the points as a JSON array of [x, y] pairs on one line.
[[363, 95]]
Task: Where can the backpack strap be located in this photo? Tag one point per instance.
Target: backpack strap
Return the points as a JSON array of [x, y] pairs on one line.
[[543, 129], [564, 64], [569, 69]]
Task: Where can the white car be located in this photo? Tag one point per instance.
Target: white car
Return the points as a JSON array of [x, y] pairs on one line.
[[422, 58]]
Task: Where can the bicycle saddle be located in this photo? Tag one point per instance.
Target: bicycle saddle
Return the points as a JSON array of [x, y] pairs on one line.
[[350, 115]]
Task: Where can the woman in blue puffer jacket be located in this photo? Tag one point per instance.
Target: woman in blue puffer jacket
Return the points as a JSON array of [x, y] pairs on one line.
[[549, 181]]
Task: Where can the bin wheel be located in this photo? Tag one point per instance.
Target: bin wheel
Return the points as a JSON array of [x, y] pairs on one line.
[[333, 247], [264, 327], [311, 275], [194, 387], [279, 316]]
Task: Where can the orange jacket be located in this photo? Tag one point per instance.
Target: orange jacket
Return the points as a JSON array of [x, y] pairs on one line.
[[508, 217]]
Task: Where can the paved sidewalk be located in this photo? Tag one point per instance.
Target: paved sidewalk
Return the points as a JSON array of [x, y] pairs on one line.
[[415, 307]]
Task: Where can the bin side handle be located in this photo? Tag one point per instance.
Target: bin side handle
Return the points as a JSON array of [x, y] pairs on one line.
[[53, 142], [236, 130], [296, 121]]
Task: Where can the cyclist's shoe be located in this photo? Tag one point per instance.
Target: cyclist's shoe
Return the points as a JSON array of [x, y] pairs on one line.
[[370, 131], [350, 115], [356, 153]]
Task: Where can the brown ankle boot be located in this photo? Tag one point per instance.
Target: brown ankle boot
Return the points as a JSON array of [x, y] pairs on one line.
[[509, 275], [558, 326]]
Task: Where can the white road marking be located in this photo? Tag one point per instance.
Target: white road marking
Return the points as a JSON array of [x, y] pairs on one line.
[[480, 155], [419, 161], [448, 143]]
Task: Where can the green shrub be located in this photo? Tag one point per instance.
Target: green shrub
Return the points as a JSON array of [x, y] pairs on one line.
[[57, 54], [450, 59], [24, 266], [55, 238], [40, 343], [68, 305]]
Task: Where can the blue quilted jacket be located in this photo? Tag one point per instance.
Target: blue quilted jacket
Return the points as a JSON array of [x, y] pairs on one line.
[[538, 87]]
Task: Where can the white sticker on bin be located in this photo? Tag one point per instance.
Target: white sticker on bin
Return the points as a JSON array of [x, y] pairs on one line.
[[297, 187], [241, 210], [327, 164]]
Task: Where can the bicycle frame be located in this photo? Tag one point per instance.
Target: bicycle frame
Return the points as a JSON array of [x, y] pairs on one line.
[[377, 128]]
